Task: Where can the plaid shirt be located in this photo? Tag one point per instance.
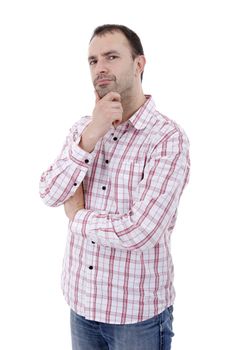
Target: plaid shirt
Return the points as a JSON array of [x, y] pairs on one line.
[[117, 266]]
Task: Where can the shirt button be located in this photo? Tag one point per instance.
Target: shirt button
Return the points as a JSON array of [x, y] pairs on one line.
[[90, 267], [106, 161], [103, 187], [115, 138], [86, 160], [75, 184], [92, 242]]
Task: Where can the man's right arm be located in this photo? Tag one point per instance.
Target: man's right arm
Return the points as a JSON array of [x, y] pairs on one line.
[[62, 179]]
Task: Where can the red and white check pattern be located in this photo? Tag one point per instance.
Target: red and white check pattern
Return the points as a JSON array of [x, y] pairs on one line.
[[117, 266]]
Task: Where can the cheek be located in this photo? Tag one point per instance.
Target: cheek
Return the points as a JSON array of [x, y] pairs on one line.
[[92, 75], [128, 75]]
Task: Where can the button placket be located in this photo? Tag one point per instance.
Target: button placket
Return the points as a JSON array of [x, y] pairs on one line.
[[91, 258]]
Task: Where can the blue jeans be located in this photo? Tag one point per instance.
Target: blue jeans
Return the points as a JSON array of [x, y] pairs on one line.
[[152, 334]]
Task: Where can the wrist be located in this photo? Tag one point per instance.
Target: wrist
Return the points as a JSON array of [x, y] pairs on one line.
[[90, 137], [77, 209]]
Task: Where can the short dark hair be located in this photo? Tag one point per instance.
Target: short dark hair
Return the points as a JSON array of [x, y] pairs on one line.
[[131, 36]]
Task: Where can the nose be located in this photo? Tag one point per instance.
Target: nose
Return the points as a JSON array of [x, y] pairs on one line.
[[101, 67]]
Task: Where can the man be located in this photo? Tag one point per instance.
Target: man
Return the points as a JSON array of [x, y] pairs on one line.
[[120, 176]]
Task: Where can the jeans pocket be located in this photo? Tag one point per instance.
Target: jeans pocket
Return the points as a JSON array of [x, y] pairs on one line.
[[170, 309]]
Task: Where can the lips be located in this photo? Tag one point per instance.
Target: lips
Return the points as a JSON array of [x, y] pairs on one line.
[[103, 81]]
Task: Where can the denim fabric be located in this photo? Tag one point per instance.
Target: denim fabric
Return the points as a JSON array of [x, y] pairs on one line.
[[153, 334]]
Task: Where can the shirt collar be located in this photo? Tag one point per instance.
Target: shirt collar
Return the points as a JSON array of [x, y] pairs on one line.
[[142, 116]]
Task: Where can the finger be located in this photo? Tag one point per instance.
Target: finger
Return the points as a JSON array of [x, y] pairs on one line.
[[112, 96], [116, 105]]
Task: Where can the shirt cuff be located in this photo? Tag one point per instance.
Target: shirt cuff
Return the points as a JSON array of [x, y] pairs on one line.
[[92, 224], [78, 155]]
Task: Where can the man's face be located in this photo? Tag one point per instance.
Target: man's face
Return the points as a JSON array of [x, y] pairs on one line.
[[111, 64]]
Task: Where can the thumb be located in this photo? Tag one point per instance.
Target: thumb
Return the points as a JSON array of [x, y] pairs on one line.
[[116, 123]]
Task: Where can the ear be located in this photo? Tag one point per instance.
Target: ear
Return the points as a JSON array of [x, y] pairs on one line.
[[140, 64]]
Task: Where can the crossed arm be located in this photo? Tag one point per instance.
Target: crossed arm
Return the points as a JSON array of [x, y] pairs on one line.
[[74, 203]]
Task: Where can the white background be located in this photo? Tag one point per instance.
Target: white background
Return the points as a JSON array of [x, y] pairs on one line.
[[45, 87]]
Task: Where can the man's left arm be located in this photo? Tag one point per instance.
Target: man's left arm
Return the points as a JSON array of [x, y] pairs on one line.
[[158, 194]]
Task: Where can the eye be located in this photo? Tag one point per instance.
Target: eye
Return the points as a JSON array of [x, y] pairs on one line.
[[91, 62], [112, 57]]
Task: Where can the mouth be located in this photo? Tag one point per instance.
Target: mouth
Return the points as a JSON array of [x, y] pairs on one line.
[[103, 82]]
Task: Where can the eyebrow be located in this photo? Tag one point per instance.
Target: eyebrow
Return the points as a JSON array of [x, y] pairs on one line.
[[111, 52]]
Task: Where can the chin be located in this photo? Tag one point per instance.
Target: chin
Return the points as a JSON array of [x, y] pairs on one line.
[[104, 91]]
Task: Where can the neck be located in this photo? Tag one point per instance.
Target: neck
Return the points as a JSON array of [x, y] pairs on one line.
[[131, 103]]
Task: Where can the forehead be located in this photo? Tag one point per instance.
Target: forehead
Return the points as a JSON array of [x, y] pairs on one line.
[[108, 42]]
